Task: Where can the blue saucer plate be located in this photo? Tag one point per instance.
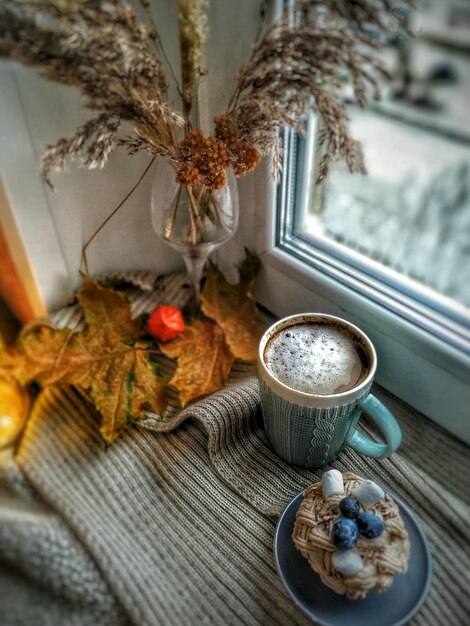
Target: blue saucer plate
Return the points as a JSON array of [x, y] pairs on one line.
[[394, 607]]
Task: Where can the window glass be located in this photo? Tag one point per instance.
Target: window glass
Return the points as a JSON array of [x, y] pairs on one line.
[[408, 222]]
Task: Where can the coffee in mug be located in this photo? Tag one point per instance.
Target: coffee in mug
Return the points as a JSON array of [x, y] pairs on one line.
[[315, 374], [321, 358]]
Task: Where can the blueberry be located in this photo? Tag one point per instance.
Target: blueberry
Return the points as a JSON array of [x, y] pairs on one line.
[[345, 533], [349, 507], [370, 525]]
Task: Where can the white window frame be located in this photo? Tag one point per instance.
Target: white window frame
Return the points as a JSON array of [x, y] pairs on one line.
[[416, 364], [423, 361]]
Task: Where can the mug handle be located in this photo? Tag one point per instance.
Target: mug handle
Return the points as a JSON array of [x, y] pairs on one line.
[[387, 425]]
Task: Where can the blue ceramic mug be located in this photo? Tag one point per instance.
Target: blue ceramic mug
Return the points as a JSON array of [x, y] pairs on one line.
[[310, 429]]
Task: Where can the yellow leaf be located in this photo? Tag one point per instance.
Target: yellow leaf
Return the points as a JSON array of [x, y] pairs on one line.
[[104, 360], [111, 393], [148, 386], [233, 308], [107, 312], [40, 355], [204, 360]]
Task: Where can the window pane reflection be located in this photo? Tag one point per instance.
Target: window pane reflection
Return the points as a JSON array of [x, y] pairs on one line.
[[412, 212]]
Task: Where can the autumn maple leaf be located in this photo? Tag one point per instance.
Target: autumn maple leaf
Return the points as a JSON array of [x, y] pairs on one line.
[[106, 360], [233, 307], [204, 360]]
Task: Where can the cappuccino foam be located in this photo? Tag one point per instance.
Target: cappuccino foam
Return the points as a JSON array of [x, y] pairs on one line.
[[316, 358]]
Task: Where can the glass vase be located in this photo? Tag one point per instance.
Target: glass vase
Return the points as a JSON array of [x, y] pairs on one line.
[[194, 220]]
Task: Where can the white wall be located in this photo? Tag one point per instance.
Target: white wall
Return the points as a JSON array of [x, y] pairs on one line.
[[54, 225]]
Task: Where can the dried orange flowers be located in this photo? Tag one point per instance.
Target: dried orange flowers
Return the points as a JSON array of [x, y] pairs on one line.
[[205, 159]]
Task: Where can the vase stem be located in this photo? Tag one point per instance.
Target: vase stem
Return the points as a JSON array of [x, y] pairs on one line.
[[195, 261]]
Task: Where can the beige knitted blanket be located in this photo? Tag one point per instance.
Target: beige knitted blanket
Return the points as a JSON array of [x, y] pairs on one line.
[[177, 528]]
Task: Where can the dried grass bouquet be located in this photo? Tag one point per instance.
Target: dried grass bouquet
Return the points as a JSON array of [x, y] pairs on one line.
[[118, 64]]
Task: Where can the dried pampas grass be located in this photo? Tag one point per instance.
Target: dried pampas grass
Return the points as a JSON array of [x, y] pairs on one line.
[[101, 49], [193, 29], [299, 64]]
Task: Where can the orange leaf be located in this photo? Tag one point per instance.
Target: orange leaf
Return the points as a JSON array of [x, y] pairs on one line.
[[204, 360], [233, 308]]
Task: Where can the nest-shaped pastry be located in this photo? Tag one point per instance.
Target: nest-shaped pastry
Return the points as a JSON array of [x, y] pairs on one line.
[[383, 557]]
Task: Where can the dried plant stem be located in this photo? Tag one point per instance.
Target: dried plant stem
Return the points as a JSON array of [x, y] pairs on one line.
[[175, 209], [199, 212], [192, 225], [200, 194], [194, 217], [213, 209], [192, 22], [112, 214]]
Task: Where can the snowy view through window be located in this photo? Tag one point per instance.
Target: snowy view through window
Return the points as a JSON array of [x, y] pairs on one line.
[[412, 212]]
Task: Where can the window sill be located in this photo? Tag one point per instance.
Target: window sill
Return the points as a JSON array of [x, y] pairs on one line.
[[423, 371]]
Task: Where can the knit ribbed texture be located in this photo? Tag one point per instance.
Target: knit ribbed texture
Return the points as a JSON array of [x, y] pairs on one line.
[[177, 528], [305, 435], [46, 575]]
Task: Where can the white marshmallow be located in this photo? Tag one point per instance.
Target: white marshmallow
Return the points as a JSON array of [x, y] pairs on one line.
[[347, 563], [368, 493], [332, 483]]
